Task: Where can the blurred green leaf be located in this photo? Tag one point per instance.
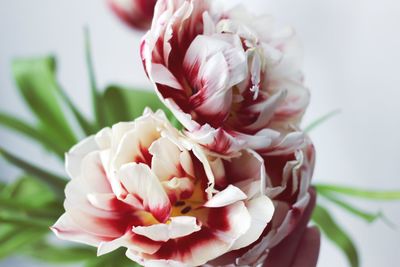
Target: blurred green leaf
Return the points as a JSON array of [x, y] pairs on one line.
[[24, 128], [13, 239], [85, 125], [367, 216], [336, 234], [51, 253], [359, 193], [55, 182], [36, 81], [25, 221], [321, 120], [126, 104], [27, 208], [96, 95]]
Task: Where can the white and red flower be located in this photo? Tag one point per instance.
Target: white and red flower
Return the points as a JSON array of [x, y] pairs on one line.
[[137, 14], [232, 79], [144, 186], [287, 239]]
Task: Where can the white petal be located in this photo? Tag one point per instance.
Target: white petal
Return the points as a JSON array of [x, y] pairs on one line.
[[228, 196], [73, 158], [160, 74], [65, 228], [177, 227], [130, 241], [166, 159], [139, 180], [261, 210]]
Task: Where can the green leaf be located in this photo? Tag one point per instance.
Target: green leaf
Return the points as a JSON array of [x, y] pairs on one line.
[[55, 182], [367, 216], [51, 253], [85, 125], [25, 221], [126, 104], [36, 80], [336, 234], [31, 132], [321, 120], [359, 193], [13, 239], [27, 209], [96, 96]]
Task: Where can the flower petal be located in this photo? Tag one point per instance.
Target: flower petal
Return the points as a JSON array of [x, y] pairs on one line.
[[73, 159], [177, 227], [228, 196], [139, 181]]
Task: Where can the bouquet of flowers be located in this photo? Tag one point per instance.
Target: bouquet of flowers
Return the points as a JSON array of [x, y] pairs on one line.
[[210, 168]]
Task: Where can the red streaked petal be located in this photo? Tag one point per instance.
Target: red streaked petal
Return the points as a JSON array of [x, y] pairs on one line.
[[223, 227], [140, 181], [177, 227], [131, 241], [65, 228]]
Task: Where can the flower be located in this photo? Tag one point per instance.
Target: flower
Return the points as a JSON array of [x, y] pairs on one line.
[[232, 79], [144, 186], [137, 14], [288, 185]]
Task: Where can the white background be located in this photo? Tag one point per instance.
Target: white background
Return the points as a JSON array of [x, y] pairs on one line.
[[351, 63]]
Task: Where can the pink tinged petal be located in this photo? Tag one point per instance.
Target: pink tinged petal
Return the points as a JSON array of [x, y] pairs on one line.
[[283, 223], [134, 144], [290, 221], [202, 157], [161, 75], [308, 249], [228, 196], [103, 138], [166, 159], [73, 159], [129, 240], [186, 163], [218, 169], [218, 140], [96, 224], [255, 71], [224, 226], [185, 119], [261, 210], [214, 97], [292, 244], [285, 145], [183, 11], [262, 140], [93, 174], [266, 110], [66, 229], [178, 188], [177, 227], [295, 103], [109, 202], [140, 181]]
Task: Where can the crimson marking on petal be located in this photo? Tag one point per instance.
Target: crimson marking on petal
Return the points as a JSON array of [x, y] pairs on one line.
[[60, 231], [161, 213], [142, 240], [120, 206], [181, 248], [218, 219], [145, 156], [121, 223]]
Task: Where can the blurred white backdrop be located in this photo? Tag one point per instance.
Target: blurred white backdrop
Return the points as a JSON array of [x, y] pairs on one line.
[[352, 62]]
